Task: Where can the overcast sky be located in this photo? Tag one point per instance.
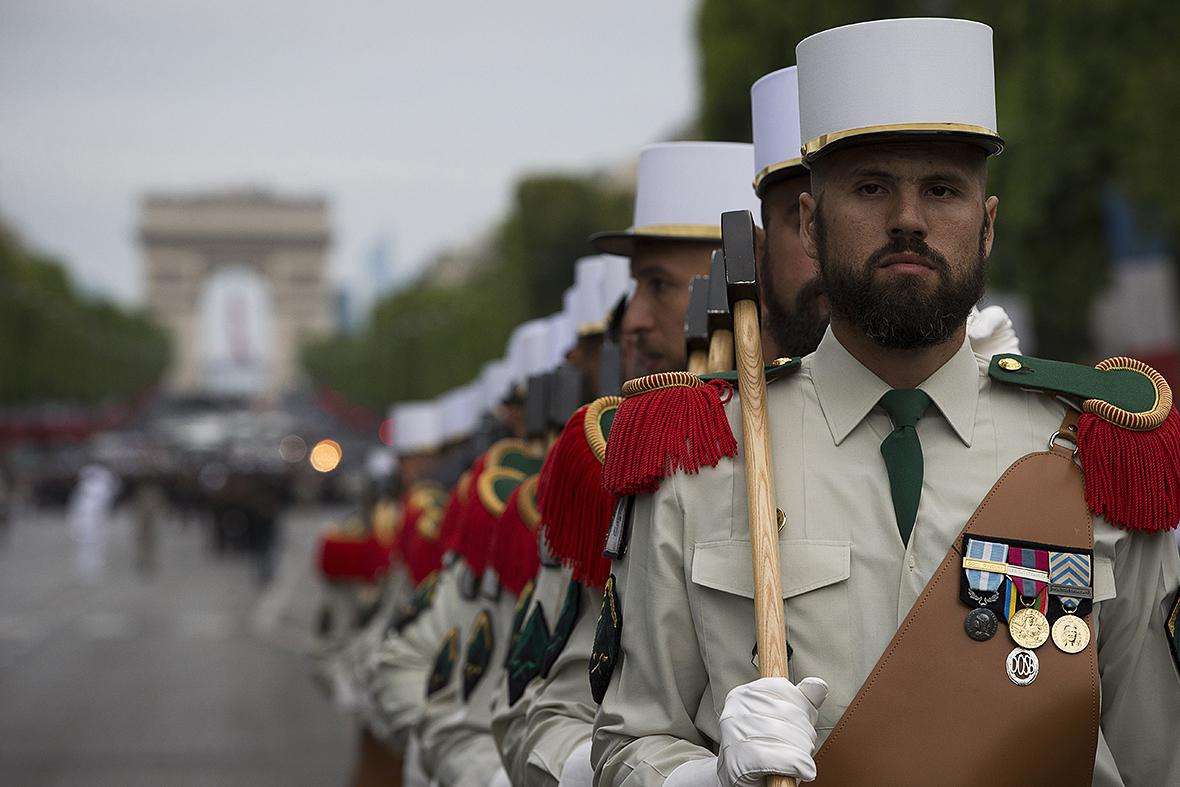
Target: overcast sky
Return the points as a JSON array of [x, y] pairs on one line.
[[413, 118]]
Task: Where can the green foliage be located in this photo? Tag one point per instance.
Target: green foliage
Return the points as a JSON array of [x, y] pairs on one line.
[[1088, 96], [428, 338], [56, 345]]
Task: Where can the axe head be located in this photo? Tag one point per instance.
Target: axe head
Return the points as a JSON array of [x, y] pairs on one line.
[[696, 320], [737, 242], [536, 405], [565, 395], [719, 314]]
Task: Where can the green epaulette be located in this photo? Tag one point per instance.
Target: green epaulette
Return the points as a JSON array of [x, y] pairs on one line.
[[1127, 436]]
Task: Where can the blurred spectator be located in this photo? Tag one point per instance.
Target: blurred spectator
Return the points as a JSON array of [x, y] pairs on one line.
[[89, 507], [150, 507]]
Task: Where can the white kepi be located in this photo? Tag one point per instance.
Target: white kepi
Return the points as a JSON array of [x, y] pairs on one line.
[[681, 190], [460, 410], [417, 427], [599, 282], [774, 110], [897, 78]]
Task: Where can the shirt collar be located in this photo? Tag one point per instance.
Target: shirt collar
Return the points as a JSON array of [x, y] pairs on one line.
[[847, 391]]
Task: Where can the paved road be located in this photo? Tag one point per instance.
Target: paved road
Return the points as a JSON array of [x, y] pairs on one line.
[[190, 677]]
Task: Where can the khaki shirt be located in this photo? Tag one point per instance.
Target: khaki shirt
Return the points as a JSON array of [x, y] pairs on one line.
[[406, 659], [686, 587], [555, 715], [457, 747], [508, 721]]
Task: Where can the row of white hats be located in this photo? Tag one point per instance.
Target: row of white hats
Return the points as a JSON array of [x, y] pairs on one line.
[[535, 347], [896, 76]]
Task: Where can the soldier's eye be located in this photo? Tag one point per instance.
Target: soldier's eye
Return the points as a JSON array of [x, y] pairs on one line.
[[871, 189], [941, 191]]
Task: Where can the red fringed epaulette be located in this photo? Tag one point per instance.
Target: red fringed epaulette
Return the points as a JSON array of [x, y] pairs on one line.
[[418, 541], [485, 503], [668, 423], [350, 554], [452, 522], [575, 505], [1128, 435], [1131, 461], [514, 546]]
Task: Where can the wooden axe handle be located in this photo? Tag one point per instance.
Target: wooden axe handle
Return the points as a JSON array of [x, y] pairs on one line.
[[770, 624]]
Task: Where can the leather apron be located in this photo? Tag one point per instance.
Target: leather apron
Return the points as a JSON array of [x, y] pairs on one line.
[[938, 707]]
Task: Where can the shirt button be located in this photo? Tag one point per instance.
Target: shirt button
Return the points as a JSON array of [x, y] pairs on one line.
[[912, 562]]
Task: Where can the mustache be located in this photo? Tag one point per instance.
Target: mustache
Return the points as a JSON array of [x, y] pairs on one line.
[[910, 245]]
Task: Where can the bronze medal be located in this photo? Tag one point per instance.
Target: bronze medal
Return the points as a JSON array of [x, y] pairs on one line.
[[981, 624], [1071, 634], [1029, 628]]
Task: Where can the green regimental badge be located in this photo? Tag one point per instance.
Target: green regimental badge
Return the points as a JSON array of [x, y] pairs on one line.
[[607, 639], [522, 607], [571, 610], [444, 663], [409, 611], [525, 663], [478, 652], [1172, 624]]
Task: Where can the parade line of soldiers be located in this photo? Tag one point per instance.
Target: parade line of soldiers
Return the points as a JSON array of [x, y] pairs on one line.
[[771, 496]]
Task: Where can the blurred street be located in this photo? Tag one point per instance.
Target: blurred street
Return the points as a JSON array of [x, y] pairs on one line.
[[190, 676]]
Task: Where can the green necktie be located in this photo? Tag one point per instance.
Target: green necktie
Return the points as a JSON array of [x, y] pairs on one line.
[[903, 454]]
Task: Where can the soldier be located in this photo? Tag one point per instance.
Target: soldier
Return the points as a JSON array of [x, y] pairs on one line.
[[674, 233], [544, 715], [795, 311], [457, 746], [900, 600]]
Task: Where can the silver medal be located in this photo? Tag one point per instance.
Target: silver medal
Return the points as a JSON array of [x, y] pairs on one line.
[[1023, 666]]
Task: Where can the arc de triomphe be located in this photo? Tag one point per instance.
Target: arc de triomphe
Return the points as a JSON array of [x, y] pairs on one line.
[[279, 244]]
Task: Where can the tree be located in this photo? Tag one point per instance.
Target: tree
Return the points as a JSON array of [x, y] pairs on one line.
[[1088, 97], [56, 345], [428, 338]]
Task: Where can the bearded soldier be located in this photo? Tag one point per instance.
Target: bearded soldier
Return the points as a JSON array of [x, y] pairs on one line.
[[960, 606]]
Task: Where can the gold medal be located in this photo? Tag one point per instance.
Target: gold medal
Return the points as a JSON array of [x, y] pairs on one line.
[[1071, 634], [1029, 628]]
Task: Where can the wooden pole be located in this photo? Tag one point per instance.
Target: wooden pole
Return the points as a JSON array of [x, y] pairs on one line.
[[720, 351], [720, 318], [696, 325], [738, 242]]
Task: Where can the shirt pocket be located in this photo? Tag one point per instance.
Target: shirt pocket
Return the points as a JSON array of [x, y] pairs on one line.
[[815, 587]]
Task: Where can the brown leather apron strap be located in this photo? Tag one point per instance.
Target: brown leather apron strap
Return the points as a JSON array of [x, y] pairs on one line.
[[938, 707]]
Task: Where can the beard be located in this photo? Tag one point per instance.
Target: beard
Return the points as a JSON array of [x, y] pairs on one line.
[[798, 327], [901, 314]]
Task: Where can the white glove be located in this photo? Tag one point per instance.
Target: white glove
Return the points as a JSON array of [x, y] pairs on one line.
[[577, 771], [768, 727], [990, 332]]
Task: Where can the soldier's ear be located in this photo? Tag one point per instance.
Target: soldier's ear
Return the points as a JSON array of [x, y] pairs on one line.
[[759, 243], [990, 206], [807, 207]]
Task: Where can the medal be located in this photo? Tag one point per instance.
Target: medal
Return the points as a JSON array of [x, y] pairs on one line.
[[1028, 576], [983, 585], [1071, 634], [981, 624], [1029, 628], [1022, 666], [1069, 579]]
